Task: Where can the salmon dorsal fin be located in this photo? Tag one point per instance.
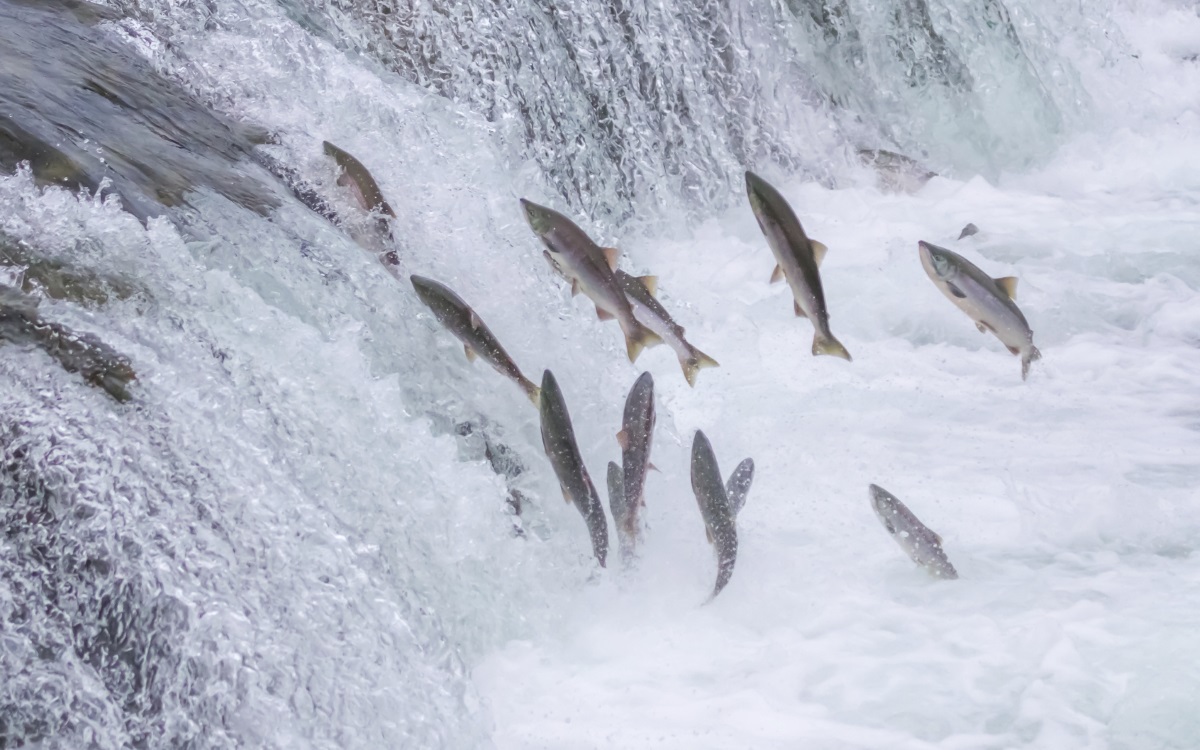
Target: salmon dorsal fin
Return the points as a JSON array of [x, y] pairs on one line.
[[1008, 285], [777, 274], [651, 284], [610, 256], [818, 250]]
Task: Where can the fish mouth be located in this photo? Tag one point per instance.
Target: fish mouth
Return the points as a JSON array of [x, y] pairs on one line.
[[754, 185], [550, 398], [701, 448], [644, 381], [879, 497], [537, 216], [423, 286], [929, 260]]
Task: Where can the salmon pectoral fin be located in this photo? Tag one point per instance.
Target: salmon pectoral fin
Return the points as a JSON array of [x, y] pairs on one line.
[[799, 310], [777, 274], [603, 314], [471, 355], [574, 287], [623, 440], [956, 291]]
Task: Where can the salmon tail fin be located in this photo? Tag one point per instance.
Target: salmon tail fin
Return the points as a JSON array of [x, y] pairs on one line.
[[694, 362], [723, 577], [726, 559], [639, 340], [597, 525], [1030, 357], [823, 344]]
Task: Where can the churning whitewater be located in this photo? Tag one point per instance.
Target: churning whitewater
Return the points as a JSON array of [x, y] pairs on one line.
[[313, 313]]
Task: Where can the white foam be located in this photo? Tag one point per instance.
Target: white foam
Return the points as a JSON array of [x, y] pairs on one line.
[[1068, 503]]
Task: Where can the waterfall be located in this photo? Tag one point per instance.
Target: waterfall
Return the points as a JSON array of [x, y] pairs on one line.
[[292, 534]]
